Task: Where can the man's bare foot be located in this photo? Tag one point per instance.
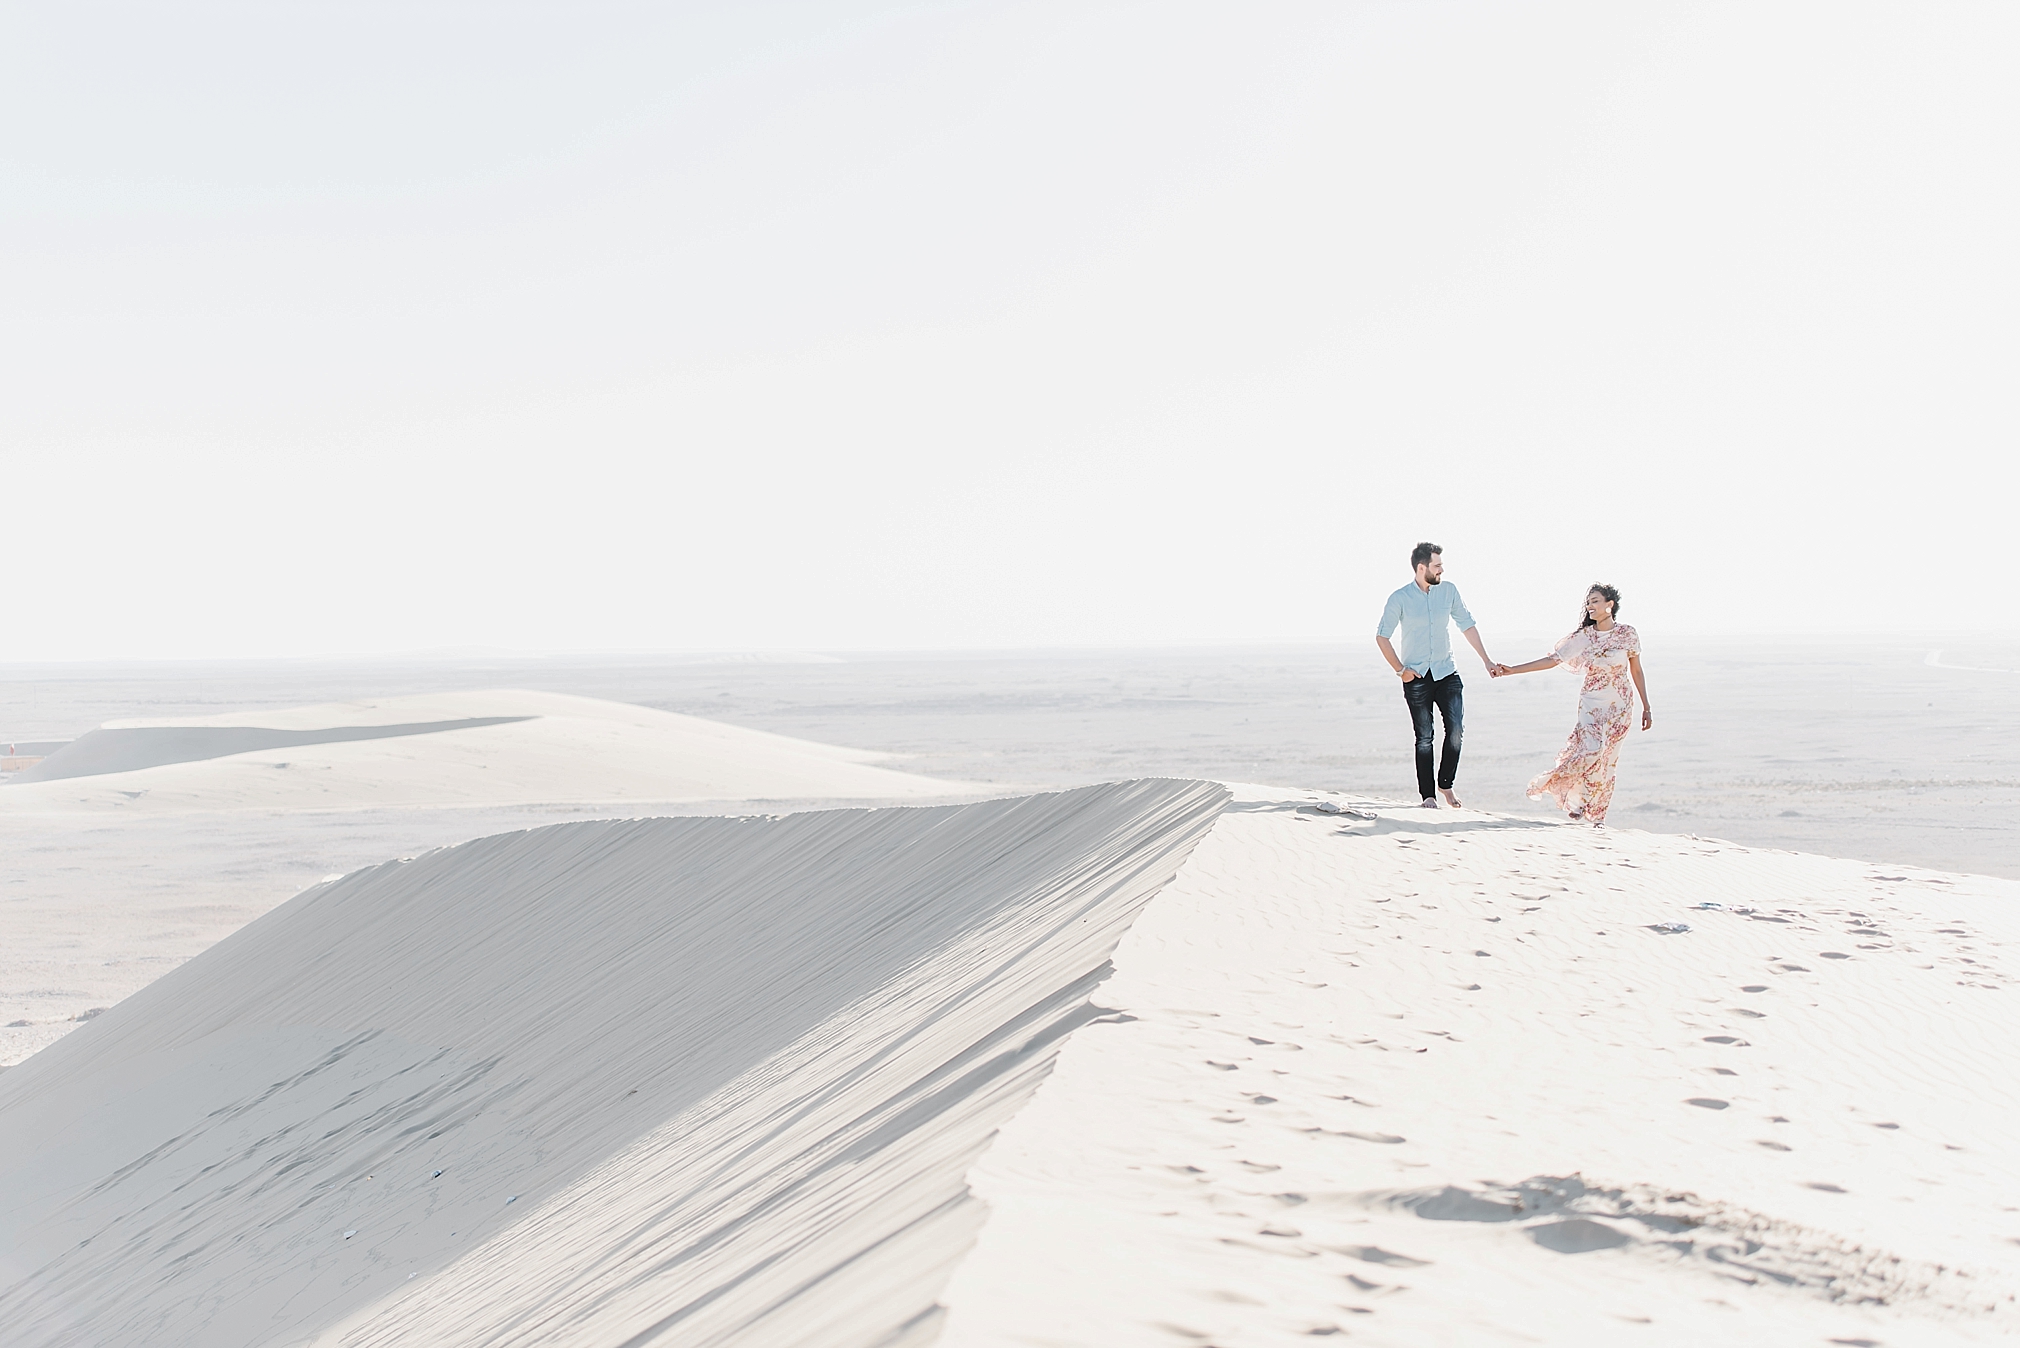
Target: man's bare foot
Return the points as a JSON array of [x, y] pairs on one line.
[[1451, 799], [1429, 803]]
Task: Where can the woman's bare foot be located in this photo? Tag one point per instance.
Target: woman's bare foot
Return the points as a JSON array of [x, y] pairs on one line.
[[1578, 813], [1451, 799], [1428, 803]]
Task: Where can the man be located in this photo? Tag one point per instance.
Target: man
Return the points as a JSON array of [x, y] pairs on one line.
[[1422, 609]]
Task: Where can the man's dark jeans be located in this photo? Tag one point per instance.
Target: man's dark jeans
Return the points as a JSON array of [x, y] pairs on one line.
[[1448, 695]]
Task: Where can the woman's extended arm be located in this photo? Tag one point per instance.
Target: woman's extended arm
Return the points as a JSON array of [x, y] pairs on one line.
[[1547, 662], [1634, 667]]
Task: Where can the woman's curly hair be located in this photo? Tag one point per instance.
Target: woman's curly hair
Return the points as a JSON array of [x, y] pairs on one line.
[[1609, 593]]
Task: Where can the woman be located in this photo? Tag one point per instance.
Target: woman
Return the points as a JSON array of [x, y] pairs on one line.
[[1609, 652]]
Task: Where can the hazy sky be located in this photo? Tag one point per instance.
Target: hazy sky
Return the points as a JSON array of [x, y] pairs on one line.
[[359, 326]]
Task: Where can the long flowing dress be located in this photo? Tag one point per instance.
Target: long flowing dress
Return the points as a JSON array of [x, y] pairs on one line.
[[1583, 776]]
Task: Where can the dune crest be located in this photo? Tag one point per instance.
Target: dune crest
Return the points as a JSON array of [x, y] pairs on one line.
[[497, 747], [690, 1080]]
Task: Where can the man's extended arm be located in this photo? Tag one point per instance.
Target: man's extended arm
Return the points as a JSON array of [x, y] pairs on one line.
[[1473, 638], [1462, 617]]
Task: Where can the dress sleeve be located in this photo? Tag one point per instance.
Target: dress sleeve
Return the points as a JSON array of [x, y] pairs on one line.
[[1633, 639], [1575, 650]]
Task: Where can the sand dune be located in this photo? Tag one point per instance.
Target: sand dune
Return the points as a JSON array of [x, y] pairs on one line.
[[118, 874], [670, 1080], [475, 748], [1446, 1078], [1413, 1078]]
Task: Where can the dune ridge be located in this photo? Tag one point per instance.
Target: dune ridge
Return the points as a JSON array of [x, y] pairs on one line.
[[480, 747], [679, 1080]]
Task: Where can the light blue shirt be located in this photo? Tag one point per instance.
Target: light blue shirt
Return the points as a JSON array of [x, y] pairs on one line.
[[1423, 614]]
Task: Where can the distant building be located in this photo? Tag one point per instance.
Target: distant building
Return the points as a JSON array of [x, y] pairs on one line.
[[27, 753]]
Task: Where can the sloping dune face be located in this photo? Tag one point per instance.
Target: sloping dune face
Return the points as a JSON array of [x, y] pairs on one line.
[[134, 748], [694, 1081]]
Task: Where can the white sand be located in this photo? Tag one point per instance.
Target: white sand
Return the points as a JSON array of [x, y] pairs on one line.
[[1425, 1079], [697, 1080], [108, 881], [1357, 1049], [564, 749]]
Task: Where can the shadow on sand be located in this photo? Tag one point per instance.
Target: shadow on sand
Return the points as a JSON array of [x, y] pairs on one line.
[[1396, 819]]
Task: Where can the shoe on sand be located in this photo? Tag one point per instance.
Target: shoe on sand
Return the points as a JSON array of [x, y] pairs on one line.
[[1347, 812]]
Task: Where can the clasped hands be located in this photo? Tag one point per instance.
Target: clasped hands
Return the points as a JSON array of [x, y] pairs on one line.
[[1495, 669]]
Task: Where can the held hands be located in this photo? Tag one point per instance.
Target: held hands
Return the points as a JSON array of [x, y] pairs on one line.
[[1495, 669]]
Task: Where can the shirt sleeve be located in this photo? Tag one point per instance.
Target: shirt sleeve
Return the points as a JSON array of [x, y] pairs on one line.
[[1460, 613], [1392, 616]]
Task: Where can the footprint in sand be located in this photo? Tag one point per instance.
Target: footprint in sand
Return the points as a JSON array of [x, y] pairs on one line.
[[1577, 1235], [1375, 1254]]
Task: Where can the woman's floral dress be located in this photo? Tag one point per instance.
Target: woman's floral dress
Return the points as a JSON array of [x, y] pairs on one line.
[[1583, 776]]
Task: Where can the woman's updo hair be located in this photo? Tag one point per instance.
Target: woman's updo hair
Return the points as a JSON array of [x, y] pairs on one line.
[[1609, 593]]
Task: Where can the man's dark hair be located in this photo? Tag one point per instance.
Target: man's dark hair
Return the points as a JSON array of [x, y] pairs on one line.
[[1423, 553]]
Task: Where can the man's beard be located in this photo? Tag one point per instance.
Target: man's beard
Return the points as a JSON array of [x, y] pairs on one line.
[[1435, 580]]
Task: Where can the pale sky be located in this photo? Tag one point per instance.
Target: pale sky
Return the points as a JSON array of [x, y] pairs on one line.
[[360, 327]]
